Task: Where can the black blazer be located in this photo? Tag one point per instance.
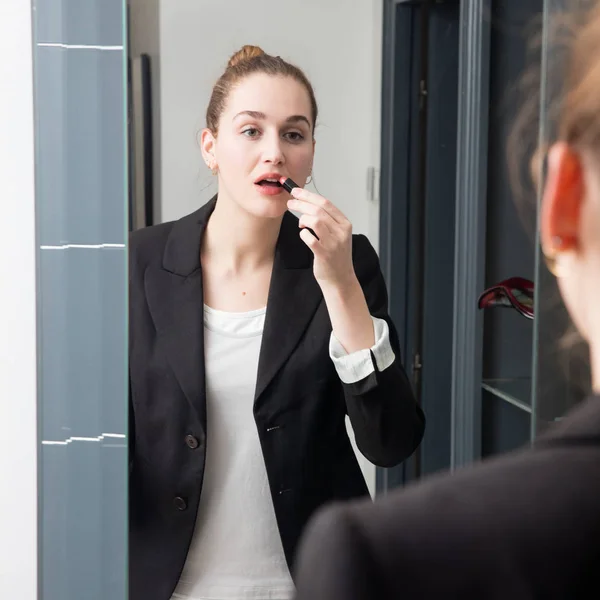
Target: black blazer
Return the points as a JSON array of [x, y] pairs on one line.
[[521, 527], [299, 408]]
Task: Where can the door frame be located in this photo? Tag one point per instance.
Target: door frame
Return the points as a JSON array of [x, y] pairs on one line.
[[402, 227]]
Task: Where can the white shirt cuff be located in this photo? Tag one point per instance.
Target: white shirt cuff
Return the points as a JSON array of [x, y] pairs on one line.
[[358, 365]]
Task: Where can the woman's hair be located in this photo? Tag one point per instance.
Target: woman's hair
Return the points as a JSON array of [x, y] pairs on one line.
[[579, 115], [245, 62], [563, 102], [570, 77]]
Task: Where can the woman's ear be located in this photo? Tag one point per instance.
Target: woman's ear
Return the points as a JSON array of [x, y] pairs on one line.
[[208, 147], [563, 196]]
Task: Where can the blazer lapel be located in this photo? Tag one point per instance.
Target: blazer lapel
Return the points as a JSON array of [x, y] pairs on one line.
[[294, 296], [175, 300]]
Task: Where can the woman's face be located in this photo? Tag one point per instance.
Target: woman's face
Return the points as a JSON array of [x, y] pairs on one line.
[[265, 132], [571, 216]]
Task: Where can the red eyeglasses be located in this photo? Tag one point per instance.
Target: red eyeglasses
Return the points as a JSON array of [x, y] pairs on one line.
[[515, 292]]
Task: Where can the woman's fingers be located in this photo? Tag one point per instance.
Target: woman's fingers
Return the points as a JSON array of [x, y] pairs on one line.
[[310, 240], [317, 224], [313, 199]]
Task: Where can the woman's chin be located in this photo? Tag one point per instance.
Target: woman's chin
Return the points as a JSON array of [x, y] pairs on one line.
[[268, 208]]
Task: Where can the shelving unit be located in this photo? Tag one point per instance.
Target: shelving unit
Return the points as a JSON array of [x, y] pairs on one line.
[[507, 378], [514, 391], [527, 380]]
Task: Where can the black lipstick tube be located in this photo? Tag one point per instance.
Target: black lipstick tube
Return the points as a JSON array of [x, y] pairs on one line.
[[289, 184]]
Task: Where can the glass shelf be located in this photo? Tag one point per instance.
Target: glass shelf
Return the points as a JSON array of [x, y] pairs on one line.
[[514, 391]]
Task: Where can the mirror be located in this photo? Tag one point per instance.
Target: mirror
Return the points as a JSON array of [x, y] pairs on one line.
[[239, 389]]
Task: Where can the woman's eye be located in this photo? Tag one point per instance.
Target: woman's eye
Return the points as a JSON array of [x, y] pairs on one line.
[[294, 136], [250, 132]]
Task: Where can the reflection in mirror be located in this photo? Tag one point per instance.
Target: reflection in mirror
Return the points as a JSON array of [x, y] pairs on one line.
[[265, 371]]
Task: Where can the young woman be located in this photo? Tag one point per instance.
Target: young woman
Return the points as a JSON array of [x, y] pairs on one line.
[[524, 526], [252, 335]]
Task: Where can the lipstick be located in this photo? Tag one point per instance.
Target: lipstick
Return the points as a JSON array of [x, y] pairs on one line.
[[288, 184]]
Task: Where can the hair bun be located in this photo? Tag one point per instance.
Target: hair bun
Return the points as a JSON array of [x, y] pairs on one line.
[[244, 54]]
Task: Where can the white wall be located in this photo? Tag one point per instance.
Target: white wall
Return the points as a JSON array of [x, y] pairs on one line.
[[338, 45], [18, 363]]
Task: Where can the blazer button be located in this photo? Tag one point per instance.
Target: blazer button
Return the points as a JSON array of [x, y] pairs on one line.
[[192, 442], [179, 503]]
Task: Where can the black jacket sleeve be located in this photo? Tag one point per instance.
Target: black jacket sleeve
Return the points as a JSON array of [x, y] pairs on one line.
[[386, 419]]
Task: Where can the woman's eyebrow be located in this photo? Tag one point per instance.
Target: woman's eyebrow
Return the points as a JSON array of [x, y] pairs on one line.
[[260, 116], [251, 113], [298, 119]]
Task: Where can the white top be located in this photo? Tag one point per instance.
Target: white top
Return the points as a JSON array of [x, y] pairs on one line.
[[236, 551]]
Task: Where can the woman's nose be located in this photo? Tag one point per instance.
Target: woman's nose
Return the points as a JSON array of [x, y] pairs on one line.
[[273, 151]]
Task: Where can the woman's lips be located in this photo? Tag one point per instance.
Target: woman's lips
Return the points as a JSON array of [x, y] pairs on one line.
[[269, 190]]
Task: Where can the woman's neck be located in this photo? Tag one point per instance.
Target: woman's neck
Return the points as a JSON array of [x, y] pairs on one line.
[[237, 241]]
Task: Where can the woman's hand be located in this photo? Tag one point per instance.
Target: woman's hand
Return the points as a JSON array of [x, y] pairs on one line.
[[333, 250], [334, 269]]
